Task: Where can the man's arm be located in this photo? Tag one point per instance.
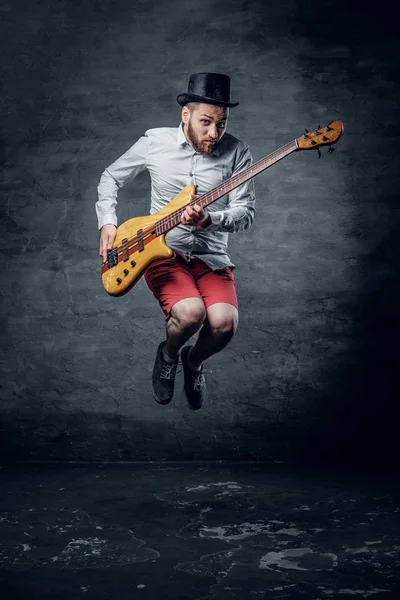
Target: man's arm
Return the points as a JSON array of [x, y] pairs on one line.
[[241, 210], [112, 179]]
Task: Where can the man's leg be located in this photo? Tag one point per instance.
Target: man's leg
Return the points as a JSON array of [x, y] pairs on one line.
[[186, 317], [176, 291], [218, 329]]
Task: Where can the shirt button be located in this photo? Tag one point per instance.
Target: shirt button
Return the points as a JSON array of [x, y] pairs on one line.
[[190, 174]]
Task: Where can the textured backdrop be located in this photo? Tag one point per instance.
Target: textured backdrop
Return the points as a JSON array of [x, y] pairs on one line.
[[312, 369]]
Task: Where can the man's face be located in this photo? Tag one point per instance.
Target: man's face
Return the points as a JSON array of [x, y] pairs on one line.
[[204, 125]]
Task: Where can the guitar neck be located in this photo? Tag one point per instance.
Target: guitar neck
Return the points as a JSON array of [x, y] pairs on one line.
[[173, 219]]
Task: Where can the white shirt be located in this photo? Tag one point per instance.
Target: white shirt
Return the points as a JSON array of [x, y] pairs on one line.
[[172, 164]]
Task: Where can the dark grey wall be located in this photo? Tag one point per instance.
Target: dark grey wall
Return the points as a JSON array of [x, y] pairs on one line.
[[312, 369]]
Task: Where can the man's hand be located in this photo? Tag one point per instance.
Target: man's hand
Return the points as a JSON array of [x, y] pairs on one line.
[[195, 215], [107, 237]]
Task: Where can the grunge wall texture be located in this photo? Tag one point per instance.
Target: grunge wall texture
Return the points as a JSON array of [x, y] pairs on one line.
[[311, 372]]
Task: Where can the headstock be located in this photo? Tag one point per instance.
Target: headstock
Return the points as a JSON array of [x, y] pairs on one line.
[[323, 136]]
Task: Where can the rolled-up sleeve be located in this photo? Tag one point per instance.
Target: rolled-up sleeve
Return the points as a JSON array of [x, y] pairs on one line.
[[118, 174], [241, 209]]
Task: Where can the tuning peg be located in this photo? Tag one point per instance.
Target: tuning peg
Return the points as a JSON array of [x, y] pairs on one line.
[[306, 130], [319, 126], [319, 153], [331, 150]]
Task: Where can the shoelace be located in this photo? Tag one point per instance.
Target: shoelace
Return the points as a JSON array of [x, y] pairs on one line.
[[203, 371], [168, 371], [199, 382]]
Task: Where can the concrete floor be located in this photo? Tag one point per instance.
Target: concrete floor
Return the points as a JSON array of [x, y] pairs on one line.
[[220, 531]]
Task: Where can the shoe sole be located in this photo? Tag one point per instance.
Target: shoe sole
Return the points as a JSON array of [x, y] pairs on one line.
[[184, 392], [159, 401], [190, 406]]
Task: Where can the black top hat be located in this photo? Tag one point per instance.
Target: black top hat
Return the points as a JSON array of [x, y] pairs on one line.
[[208, 88]]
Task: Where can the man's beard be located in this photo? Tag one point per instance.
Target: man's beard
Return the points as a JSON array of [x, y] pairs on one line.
[[198, 145]]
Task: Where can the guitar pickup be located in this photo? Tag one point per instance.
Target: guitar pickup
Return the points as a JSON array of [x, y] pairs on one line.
[[112, 257], [125, 249], [140, 240]]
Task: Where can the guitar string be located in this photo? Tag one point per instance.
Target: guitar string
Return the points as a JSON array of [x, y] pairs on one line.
[[233, 182], [204, 199], [259, 166], [225, 187], [209, 195]]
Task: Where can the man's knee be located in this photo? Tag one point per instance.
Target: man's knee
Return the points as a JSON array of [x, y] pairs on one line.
[[188, 314], [222, 319]]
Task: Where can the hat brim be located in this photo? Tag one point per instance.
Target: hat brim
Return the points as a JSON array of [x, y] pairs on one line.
[[183, 99]]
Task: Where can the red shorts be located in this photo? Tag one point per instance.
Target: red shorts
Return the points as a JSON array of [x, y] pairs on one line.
[[173, 279]]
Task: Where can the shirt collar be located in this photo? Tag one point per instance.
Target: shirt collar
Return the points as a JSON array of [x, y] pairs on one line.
[[180, 138], [181, 141]]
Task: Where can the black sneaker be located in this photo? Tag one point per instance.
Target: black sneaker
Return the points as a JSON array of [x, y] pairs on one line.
[[195, 382], [163, 377]]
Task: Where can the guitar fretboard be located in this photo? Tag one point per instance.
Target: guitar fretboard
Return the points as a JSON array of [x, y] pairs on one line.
[[174, 218]]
